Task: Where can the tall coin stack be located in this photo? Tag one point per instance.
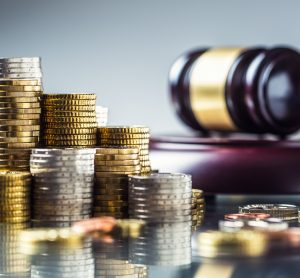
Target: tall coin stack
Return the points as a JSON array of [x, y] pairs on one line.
[[13, 263], [112, 167], [21, 68], [15, 197], [198, 208], [101, 115], [69, 120], [63, 185], [129, 136], [165, 202], [19, 122]]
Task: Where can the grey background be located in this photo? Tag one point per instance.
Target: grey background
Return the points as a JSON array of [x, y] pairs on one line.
[[123, 49]]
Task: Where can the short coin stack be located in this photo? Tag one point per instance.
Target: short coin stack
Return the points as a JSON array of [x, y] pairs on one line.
[[21, 68], [15, 196], [112, 167], [165, 201], [101, 115], [12, 263], [69, 120], [198, 208], [117, 136], [63, 185], [19, 122]]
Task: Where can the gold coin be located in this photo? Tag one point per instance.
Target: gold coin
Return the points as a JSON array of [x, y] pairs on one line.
[[71, 137], [19, 139], [19, 82], [69, 143], [19, 122], [13, 213], [110, 209], [14, 219], [106, 191], [124, 129], [114, 203], [70, 114], [116, 173], [124, 136], [118, 168], [21, 110], [24, 88], [69, 120], [21, 145], [68, 102], [111, 198], [121, 150], [19, 133], [70, 125], [19, 128], [14, 175], [117, 162], [124, 141], [20, 105], [69, 131], [18, 99], [19, 94], [87, 108], [116, 156], [6, 116], [70, 96]]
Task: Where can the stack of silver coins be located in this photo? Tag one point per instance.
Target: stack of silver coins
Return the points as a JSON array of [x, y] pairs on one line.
[[21, 68], [101, 115], [165, 202], [65, 262], [63, 185], [12, 263]]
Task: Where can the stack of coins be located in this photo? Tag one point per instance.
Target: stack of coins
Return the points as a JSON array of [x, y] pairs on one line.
[[160, 198], [162, 244], [101, 115], [198, 208], [69, 120], [13, 263], [112, 167], [63, 185], [128, 136], [281, 211], [21, 68], [19, 122], [15, 196]]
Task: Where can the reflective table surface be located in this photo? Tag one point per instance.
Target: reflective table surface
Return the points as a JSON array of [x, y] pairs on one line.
[[153, 257]]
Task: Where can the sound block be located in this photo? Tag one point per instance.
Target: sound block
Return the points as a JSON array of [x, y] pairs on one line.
[[231, 165]]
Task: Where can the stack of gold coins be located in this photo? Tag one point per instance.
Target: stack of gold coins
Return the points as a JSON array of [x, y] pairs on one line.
[[112, 167], [69, 120], [19, 122], [21, 68], [15, 196], [198, 208], [63, 185], [13, 263], [129, 136]]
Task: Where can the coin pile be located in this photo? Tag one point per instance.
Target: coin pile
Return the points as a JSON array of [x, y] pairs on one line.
[[12, 263], [19, 122], [160, 198], [101, 115], [281, 211], [63, 185], [69, 120], [21, 68], [112, 167], [64, 261], [198, 208], [129, 136], [15, 196], [162, 244]]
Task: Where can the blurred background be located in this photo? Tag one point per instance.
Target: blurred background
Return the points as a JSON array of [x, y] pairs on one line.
[[123, 49]]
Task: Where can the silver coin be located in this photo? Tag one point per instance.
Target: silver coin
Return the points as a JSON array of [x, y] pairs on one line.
[[70, 157], [12, 65], [162, 177], [158, 208], [21, 75], [63, 218], [62, 196], [58, 175], [62, 171], [158, 192], [133, 196], [158, 184], [20, 70], [142, 201], [156, 219], [20, 60], [59, 191], [65, 151], [68, 181], [54, 202], [75, 163]]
